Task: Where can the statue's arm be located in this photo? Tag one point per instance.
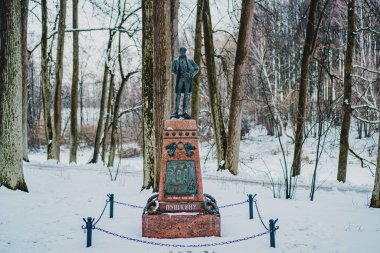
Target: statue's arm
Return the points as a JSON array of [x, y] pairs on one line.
[[195, 67], [174, 67]]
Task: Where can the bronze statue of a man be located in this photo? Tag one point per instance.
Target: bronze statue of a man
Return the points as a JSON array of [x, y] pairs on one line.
[[184, 69]]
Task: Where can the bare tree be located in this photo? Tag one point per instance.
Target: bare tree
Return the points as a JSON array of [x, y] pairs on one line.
[[347, 83], [49, 127], [116, 109], [238, 88], [197, 58], [308, 51], [375, 200], [58, 79], [215, 100], [25, 64], [74, 88], [147, 93], [102, 103], [162, 81], [11, 144]]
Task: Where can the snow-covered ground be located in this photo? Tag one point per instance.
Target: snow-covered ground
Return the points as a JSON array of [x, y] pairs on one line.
[[49, 218]]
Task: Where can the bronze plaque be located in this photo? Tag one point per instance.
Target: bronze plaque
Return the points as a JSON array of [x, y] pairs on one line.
[[180, 178]]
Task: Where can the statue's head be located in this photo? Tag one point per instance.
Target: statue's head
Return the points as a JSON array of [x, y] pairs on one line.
[[182, 51]]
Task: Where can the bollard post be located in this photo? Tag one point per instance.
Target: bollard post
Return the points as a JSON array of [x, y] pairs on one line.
[[250, 201], [89, 227], [111, 199], [272, 231]]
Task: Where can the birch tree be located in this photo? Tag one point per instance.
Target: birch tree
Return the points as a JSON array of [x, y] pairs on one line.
[[11, 144]]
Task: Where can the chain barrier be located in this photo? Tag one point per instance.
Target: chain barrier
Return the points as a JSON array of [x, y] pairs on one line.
[[258, 212], [181, 245], [141, 207], [101, 215], [234, 204], [130, 205], [90, 225]]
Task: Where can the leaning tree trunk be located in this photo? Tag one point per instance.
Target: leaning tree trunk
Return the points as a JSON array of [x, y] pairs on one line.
[[238, 88], [58, 80], [115, 123], [347, 83], [162, 77], [25, 64], [74, 88], [197, 59], [216, 103], [102, 102], [306, 56], [49, 127], [11, 144], [375, 200], [147, 93]]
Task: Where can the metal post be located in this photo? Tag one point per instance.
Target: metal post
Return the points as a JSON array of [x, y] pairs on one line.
[[89, 227], [250, 201], [272, 231], [111, 198]]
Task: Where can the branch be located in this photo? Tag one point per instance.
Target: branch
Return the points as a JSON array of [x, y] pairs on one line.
[[130, 33], [134, 108], [366, 69], [368, 29], [232, 36], [363, 161]]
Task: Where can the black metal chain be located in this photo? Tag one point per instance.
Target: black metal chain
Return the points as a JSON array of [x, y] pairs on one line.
[[258, 212], [181, 245], [101, 215], [141, 207], [130, 205]]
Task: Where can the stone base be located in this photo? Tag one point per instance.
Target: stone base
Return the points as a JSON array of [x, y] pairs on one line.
[[180, 225]]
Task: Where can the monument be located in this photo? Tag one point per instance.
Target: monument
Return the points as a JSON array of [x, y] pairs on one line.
[[184, 70], [181, 209]]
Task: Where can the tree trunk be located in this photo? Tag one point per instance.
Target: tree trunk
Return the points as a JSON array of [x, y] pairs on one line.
[[238, 88], [174, 7], [49, 127], [11, 144], [58, 79], [347, 83], [215, 100], [306, 56], [108, 117], [375, 200], [74, 88], [162, 73], [147, 93], [101, 113], [115, 123], [25, 64], [197, 59]]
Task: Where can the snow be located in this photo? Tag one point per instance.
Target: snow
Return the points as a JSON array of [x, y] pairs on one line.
[[49, 218]]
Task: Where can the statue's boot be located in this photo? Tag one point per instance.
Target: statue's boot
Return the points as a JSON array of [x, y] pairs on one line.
[[185, 115]]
